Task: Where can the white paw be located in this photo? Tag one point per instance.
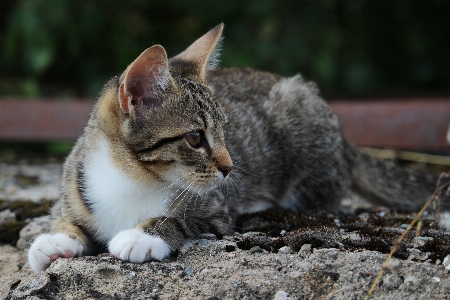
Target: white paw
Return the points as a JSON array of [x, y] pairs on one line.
[[445, 220], [136, 246], [47, 248]]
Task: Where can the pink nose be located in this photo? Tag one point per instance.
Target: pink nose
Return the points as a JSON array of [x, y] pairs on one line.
[[226, 170]]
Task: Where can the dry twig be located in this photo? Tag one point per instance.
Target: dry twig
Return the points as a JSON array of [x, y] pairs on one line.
[[405, 232]]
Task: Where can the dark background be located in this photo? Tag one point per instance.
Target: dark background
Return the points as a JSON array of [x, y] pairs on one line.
[[352, 49]]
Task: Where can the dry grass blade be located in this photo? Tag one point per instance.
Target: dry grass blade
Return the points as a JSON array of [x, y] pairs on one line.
[[405, 232]]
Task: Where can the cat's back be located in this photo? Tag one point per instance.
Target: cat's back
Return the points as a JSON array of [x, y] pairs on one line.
[[242, 84]]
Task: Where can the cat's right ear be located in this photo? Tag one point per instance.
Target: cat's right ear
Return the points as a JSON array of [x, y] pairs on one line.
[[145, 80]]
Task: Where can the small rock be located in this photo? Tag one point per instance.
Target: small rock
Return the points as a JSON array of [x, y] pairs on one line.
[[285, 250], [305, 248], [189, 270], [424, 238], [364, 216], [404, 226], [35, 227], [421, 240], [391, 281], [446, 262], [256, 249], [337, 222], [283, 232], [251, 234], [436, 279], [7, 216], [410, 278], [204, 243], [282, 295], [382, 213]]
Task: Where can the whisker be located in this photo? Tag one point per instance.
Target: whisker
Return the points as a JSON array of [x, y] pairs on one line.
[[235, 166], [174, 200], [242, 191], [189, 201], [234, 189]]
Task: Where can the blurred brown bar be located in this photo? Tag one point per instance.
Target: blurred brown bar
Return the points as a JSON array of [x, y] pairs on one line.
[[410, 124], [42, 120]]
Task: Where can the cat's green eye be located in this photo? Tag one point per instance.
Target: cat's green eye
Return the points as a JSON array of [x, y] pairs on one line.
[[194, 139]]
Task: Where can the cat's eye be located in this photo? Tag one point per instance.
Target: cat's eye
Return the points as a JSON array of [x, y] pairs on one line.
[[194, 139]]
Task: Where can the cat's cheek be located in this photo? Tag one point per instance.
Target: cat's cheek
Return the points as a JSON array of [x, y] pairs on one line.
[[135, 246]]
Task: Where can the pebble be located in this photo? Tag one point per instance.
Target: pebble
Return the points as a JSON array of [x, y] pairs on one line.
[[305, 248], [421, 240], [29, 232], [424, 238], [204, 243], [436, 279], [7, 216], [282, 295], [189, 270], [404, 226], [363, 216], [283, 232], [285, 250], [446, 262], [410, 278], [251, 234], [256, 249]]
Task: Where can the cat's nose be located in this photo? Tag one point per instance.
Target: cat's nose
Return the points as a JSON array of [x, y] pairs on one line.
[[225, 170]]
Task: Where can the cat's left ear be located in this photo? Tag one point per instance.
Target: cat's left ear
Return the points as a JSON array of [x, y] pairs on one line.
[[145, 80], [201, 56]]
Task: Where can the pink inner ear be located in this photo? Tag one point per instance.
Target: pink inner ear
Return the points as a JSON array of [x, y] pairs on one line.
[[124, 99], [146, 80]]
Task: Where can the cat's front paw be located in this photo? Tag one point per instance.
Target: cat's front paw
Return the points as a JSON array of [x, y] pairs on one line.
[[136, 246], [48, 247]]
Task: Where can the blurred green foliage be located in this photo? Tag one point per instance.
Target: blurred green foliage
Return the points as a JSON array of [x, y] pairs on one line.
[[351, 48]]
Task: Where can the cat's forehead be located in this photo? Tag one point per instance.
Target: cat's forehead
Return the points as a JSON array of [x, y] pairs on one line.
[[198, 100]]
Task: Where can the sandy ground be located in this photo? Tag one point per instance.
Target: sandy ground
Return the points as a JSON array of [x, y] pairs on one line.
[[332, 258]]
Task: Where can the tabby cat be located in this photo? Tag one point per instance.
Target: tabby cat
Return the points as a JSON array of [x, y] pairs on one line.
[[174, 148]]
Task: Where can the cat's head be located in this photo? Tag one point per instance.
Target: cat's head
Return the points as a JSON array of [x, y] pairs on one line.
[[171, 121]]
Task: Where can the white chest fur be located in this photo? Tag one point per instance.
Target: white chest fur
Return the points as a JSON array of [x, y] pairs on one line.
[[118, 201]]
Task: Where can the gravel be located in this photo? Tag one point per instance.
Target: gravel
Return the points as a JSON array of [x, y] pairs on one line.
[[327, 259]]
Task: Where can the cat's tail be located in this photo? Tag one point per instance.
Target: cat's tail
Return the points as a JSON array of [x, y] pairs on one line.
[[385, 183]]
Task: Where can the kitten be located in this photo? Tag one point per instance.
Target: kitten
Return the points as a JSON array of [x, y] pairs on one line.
[[154, 165]]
